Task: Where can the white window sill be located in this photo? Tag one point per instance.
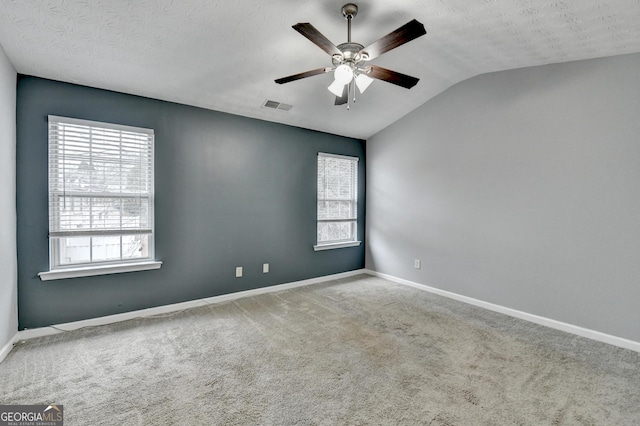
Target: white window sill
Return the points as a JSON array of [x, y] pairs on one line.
[[89, 271], [319, 247]]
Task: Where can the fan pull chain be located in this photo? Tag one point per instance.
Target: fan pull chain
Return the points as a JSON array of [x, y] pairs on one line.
[[353, 83]]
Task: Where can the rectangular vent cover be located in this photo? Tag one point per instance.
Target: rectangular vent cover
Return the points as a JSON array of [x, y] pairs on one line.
[[277, 105]]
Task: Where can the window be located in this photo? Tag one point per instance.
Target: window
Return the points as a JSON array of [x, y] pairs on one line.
[[337, 201], [100, 198]]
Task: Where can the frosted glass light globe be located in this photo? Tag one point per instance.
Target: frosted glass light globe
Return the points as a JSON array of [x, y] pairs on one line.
[[343, 74], [336, 88], [363, 81]]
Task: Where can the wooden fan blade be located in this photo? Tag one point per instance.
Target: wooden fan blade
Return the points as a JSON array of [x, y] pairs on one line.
[[341, 100], [316, 37], [409, 31], [302, 75], [392, 77]]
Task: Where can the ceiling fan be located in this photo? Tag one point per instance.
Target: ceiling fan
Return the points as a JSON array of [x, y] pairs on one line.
[[350, 59]]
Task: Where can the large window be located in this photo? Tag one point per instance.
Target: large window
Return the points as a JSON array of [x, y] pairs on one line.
[[100, 194], [337, 201]]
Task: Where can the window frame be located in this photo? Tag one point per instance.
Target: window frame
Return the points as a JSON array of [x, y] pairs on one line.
[[60, 270], [353, 241]]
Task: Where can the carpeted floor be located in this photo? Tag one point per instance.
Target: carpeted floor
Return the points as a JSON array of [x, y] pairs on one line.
[[349, 352]]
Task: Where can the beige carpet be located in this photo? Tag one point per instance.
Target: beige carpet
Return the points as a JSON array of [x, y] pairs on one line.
[[355, 351]]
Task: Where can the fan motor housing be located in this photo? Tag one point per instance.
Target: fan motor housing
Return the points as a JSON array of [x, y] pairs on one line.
[[350, 54]]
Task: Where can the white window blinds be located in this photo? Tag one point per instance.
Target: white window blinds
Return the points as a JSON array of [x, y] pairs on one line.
[[337, 198], [100, 189]]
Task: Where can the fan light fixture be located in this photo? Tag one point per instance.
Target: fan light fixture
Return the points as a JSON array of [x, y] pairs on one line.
[[363, 81], [343, 74], [349, 59], [336, 88]]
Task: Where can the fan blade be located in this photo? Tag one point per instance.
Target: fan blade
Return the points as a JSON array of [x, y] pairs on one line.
[[341, 100], [316, 37], [409, 31], [303, 75], [392, 77]]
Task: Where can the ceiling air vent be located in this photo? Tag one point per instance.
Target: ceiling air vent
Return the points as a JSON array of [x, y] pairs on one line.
[[277, 105]]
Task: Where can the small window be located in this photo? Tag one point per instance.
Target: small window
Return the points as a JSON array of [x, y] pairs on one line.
[[337, 201], [100, 194]]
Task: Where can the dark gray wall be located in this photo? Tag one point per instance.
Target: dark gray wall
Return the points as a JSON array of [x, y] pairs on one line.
[[230, 191], [519, 188]]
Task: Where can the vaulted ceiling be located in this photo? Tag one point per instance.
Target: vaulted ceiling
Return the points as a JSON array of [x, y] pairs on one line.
[[225, 55]]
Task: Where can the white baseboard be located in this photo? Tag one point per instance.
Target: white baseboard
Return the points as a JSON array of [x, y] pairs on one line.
[[110, 319], [547, 322], [7, 348]]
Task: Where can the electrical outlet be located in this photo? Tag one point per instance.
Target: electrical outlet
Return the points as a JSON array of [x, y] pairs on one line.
[[238, 271], [265, 268], [417, 264]]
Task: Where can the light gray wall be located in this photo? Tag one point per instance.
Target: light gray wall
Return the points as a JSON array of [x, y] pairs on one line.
[[8, 273], [519, 188]]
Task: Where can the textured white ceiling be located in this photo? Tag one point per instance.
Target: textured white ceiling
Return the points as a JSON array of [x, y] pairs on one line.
[[224, 55]]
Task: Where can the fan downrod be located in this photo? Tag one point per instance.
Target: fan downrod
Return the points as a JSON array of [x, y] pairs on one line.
[[349, 11]]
